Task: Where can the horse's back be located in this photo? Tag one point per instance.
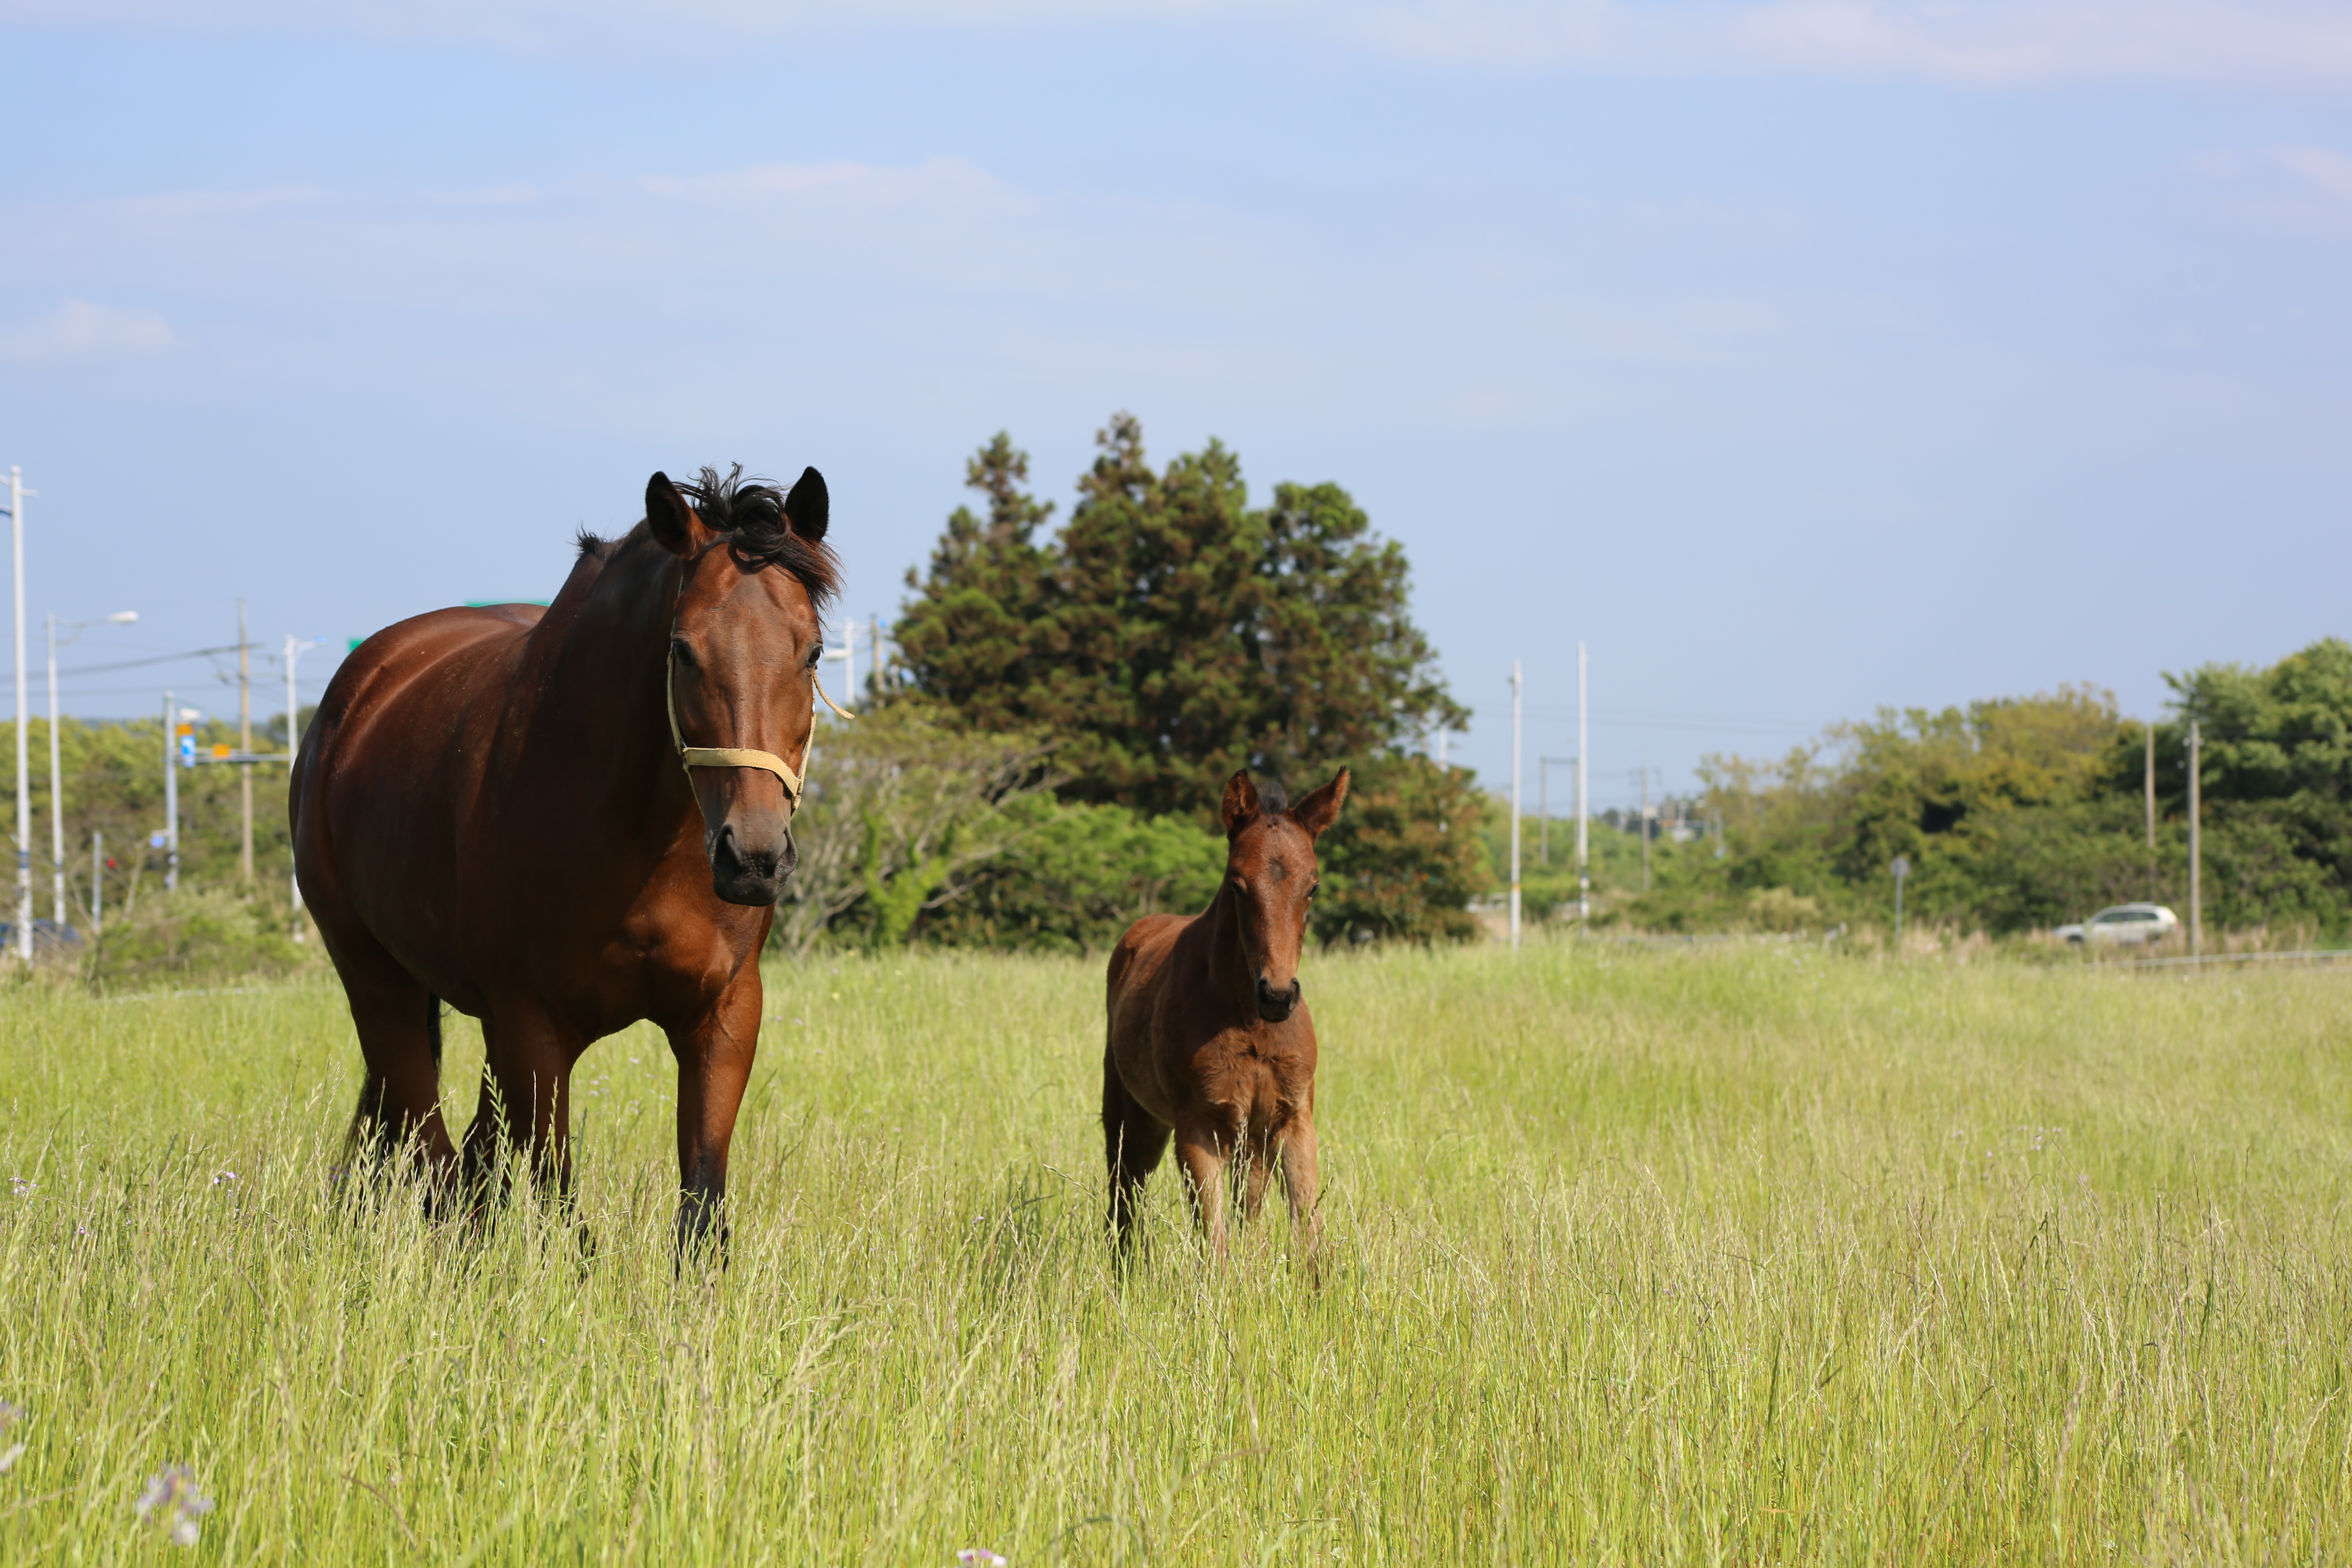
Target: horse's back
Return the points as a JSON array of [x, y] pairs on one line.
[[1143, 950], [388, 758]]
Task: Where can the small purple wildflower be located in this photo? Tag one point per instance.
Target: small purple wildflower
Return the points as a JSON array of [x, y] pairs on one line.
[[980, 1557], [173, 1503], [9, 1416]]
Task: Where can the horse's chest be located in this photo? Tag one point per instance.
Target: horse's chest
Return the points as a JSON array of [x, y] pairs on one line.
[[1251, 1086]]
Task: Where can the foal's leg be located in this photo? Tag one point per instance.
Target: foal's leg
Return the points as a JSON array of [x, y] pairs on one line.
[[1299, 1179], [1257, 1164], [714, 1062], [1201, 1154], [1133, 1142]]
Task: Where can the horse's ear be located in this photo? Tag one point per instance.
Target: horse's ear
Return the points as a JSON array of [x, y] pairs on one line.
[[672, 523], [808, 506], [1241, 803], [1321, 809]]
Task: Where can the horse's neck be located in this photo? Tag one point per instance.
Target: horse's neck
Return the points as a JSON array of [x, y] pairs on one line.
[[607, 662], [1229, 967]]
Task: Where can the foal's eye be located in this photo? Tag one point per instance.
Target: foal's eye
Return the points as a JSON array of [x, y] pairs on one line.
[[680, 652], [1313, 891]]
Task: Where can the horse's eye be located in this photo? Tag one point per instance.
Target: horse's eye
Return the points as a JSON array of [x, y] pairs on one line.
[[680, 652], [1313, 891]]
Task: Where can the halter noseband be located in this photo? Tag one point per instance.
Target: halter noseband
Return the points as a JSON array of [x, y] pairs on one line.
[[693, 757]]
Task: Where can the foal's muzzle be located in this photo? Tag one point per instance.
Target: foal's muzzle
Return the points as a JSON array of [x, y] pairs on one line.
[[1274, 1006]]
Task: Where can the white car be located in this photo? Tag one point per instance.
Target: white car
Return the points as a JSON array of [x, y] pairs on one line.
[[2128, 925]]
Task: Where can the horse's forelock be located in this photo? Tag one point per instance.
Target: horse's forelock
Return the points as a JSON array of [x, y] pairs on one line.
[[750, 514]]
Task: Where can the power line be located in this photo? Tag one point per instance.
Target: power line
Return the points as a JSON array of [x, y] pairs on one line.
[[143, 663]]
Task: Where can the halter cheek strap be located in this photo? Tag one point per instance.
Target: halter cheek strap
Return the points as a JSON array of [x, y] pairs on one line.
[[693, 757]]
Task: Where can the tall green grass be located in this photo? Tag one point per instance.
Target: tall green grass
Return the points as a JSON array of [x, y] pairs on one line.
[[1740, 1255]]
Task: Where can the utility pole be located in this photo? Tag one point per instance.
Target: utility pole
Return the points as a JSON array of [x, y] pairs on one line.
[[171, 793], [2150, 790], [1583, 750], [97, 880], [16, 494], [847, 654], [1514, 802], [874, 646], [244, 744], [2196, 844], [1645, 828]]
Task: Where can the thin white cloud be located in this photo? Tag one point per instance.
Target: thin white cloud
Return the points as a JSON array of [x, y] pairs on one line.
[[2251, 43], [2323, 167], [78, 330], [1983, 42]]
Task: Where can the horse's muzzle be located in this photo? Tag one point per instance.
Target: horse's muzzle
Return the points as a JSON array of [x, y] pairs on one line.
[[743, 874], [1276, 1007]]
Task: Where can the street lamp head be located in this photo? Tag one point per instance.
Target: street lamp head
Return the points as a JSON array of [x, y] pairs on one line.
[[122, 618]]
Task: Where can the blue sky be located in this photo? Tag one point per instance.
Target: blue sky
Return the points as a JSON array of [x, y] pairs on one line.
[[1801, 357]]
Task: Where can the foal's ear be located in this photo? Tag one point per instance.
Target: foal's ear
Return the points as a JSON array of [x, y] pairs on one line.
[[1241, 803], [1321, 809], [807, 507], [673, 523]]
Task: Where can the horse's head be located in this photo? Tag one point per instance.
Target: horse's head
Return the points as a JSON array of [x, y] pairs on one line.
[[1271, 875], [744, 641]]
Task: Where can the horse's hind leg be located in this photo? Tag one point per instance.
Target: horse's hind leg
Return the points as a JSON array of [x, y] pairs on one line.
[[399, 1025], [1133, 1142]]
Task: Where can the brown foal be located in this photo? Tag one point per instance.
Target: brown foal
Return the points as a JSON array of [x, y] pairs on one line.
[[1207, 1039]]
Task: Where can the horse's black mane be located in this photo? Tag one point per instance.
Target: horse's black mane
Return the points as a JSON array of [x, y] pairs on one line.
[[750, 514], [1272, 798]]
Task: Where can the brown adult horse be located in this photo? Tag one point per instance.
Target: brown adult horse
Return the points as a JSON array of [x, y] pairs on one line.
[[490, 810], [1208, 1038]]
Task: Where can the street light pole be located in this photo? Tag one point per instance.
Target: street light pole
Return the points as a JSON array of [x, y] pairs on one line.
[[1514, 802], [56, 793], [1583, 750], [56, 776], [171, 793], [17, 493]]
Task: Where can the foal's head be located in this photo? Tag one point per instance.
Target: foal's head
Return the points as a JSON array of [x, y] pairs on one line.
[[1270, 877], [744, 642]]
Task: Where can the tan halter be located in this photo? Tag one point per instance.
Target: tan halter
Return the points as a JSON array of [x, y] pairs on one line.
[[693, 757]]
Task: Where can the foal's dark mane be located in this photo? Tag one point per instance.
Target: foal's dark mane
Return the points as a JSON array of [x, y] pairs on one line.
[[750, 514]]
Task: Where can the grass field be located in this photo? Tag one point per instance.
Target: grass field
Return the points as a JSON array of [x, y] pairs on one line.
[[1738, 1254]]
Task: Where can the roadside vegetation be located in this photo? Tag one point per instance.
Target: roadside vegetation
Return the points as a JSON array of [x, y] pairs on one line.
[[1743, 1252], [2017, 814]]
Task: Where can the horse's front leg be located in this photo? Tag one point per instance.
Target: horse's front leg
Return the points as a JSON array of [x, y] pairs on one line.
[[1300, 1180], [714, 1062], [1201, 1156], [526, 1097]]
